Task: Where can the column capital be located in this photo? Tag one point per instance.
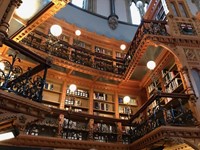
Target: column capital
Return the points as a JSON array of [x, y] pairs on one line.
[[16, 3]]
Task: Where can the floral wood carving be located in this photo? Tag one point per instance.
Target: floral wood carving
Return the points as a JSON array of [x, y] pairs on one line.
[[190, 54]]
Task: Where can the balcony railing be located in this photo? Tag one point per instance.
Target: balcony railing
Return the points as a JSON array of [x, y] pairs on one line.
[[13, 78], [174, 113], [80, 55], [80, 126], [147, 27]]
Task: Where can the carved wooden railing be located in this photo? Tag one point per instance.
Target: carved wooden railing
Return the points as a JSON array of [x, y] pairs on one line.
[[74, 53], [81, 126], [174, 113], [14, 79], [150, 27], [77, 126], [80, 55]]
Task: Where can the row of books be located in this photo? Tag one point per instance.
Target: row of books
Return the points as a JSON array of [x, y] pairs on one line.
[[125, 110], [73, 124], [104, 128], [73, 102], [173, 85], [102, 106], [74, 109], [120, 55], [48, 86], [79, 92], [152, 86], [100, 96], [72, 135], [102, 50], [169, 76]]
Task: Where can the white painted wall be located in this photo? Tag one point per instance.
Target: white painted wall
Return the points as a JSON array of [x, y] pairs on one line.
[[103, 8], [120, 9], [96, 24]]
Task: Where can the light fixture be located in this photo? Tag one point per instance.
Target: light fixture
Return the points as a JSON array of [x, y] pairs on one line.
[[56, 30], [126, 99], [151, 65], [122, 46], [78, 32], [72, 88], [12, 133], [2, 66], [139, 4]]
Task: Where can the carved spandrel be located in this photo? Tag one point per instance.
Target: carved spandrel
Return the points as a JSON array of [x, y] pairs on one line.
[[190, 54]]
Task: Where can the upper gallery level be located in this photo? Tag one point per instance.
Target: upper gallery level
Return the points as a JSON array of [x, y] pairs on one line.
[[162, 99]]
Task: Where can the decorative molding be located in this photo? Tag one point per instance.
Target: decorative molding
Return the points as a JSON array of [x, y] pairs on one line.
[[190, 54], [40, 141]]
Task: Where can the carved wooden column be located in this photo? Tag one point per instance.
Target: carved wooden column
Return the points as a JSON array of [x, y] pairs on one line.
[[189, 90], [60, 125], [90, 105], [7, 9], [119, 132], [63, 95], [91, 129]]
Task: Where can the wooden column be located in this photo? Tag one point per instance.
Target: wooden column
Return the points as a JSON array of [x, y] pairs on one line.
[[119, 132], [116, 105], [90, 128], [7, 9], [62, 106], [63, 95], [189, 90], [91, 101]]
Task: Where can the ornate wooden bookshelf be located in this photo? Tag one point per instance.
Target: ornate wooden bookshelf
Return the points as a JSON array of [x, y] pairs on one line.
[[52, 94], [77, 101]]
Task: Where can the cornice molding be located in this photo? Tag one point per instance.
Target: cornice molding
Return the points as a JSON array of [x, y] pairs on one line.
[[39, 141]]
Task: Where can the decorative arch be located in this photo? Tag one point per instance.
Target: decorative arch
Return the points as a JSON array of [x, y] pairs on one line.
[[179, 140]]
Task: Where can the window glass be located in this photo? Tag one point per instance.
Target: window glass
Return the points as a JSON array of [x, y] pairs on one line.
[[135, 14], [182, 10], [78, 3], [174, 9]]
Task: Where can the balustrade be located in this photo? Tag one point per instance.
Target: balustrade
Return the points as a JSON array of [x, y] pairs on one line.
[[83, 56], [78, 127], [15, 79]]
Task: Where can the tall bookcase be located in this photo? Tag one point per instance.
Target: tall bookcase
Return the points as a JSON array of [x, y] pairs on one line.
[[52, 94], [103, 104], [77, 101], [126, 110], [168, 80]]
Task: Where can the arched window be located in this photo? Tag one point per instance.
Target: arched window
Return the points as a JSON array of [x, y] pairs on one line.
[[135, 14], [79, 3]]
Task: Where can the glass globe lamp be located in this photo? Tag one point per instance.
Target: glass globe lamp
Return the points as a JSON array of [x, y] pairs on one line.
[[123, 47], [151, 65], [72, 88], [56, 30], [126, 99], [78, 32]]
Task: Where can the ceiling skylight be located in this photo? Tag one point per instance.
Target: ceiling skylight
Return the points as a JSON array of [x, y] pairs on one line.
[[29, 8]]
